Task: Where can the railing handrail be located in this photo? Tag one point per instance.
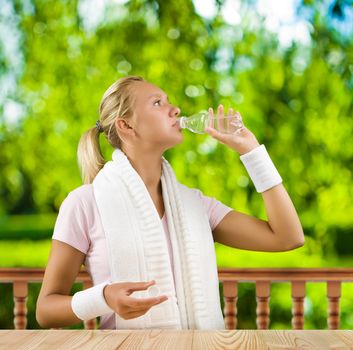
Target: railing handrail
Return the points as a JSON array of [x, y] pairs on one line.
[[287, 274], [13, 274], [10, 274]]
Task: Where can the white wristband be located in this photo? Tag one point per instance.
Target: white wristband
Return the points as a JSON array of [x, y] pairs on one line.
[[90, 303], [261, 169]]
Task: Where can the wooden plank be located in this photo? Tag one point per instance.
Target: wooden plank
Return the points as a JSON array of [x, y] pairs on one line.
[[62, 339], [324, 339], [174, 339], [307, 339], [84, 339], [158, 339], [280, 339], [236, 339], [20, 339], [346, 336]]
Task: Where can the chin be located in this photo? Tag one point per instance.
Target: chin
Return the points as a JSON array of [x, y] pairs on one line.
[[175, 141]]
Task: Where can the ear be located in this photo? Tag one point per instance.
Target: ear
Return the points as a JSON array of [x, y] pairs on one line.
[[123, 126]]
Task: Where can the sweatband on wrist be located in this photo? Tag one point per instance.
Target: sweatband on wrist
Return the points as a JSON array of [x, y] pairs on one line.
[[261, 169], [90, 303]]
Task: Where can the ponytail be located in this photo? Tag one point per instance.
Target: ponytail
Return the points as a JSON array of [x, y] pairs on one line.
[[89, 154], [117, 102]]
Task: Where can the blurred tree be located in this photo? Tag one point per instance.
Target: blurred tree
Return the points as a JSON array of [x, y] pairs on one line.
[[297, 100]]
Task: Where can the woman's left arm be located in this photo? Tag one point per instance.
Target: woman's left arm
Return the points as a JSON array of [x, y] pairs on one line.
[[282, 231]]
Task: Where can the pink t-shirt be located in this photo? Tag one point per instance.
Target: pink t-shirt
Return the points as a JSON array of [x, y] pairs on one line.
[[79, 225]]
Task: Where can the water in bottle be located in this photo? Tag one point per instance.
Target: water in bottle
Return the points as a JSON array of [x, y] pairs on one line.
[[197, 123]]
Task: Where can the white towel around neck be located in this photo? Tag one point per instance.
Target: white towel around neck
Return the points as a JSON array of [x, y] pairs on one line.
[[138, 249]]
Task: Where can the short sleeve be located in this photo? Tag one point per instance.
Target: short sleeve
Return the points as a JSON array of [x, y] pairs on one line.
[[215, 209], [71, 225]]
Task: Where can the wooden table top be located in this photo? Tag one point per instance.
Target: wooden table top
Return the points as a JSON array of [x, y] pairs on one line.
[[173, 339]]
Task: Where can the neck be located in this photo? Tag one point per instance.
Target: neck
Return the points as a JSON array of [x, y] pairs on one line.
[[148, 166]]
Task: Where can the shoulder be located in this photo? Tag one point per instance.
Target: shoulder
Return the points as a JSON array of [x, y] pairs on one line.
[[215, 209], [80, 202], [76, 218], [83, 192], [192, 191], [81, 196]]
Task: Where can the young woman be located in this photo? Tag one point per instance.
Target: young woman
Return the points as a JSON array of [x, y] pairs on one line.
[[146, 240]]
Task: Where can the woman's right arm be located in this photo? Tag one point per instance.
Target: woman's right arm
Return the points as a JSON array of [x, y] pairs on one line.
[[54, 300], [54, 308]]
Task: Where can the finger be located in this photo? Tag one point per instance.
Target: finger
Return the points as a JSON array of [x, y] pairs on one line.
[[238, 123], [229, 120], [220, 118], [238, 115], [135, 314], [140, 303], [220, 110], [145, 308], [136, 286], [215, 134], [210, 117]]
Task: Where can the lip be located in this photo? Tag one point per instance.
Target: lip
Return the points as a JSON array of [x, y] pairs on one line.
[[177, 125]]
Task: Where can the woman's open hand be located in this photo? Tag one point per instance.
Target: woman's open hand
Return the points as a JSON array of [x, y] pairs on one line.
[[117, 296], [242, 141]]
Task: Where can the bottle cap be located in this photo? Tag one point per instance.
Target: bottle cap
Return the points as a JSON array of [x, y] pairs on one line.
[[181, 122]]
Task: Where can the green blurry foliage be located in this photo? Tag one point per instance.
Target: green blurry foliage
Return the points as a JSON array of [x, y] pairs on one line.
[[298, 101]]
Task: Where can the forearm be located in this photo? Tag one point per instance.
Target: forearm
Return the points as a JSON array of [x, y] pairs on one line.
[[282, 216], [283, 220], [54, 311]]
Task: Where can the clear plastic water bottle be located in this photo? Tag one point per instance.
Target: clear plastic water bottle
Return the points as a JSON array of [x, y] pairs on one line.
[[197, 123]]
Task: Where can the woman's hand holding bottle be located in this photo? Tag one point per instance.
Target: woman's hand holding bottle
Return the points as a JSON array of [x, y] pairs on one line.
[[118, 297], [242, 141]]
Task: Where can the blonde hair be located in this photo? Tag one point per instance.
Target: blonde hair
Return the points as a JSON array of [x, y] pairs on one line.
[[117, 102]]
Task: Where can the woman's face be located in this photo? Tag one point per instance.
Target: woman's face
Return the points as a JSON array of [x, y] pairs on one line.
[[154, 119]]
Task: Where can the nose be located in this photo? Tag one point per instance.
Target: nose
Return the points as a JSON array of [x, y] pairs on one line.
[[175, 111]]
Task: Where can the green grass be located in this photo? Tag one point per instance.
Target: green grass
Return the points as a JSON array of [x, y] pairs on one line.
[[306, 256], [27, 253], [34, 227], [24, 253]]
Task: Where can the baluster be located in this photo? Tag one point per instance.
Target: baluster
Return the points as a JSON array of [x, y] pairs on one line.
[[90, 324], [262, 308], [230, 294], [333, 295], [20, 292], [298, 295]]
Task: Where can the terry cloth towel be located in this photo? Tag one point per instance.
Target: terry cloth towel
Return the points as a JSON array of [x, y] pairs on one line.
[[138, 249]]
